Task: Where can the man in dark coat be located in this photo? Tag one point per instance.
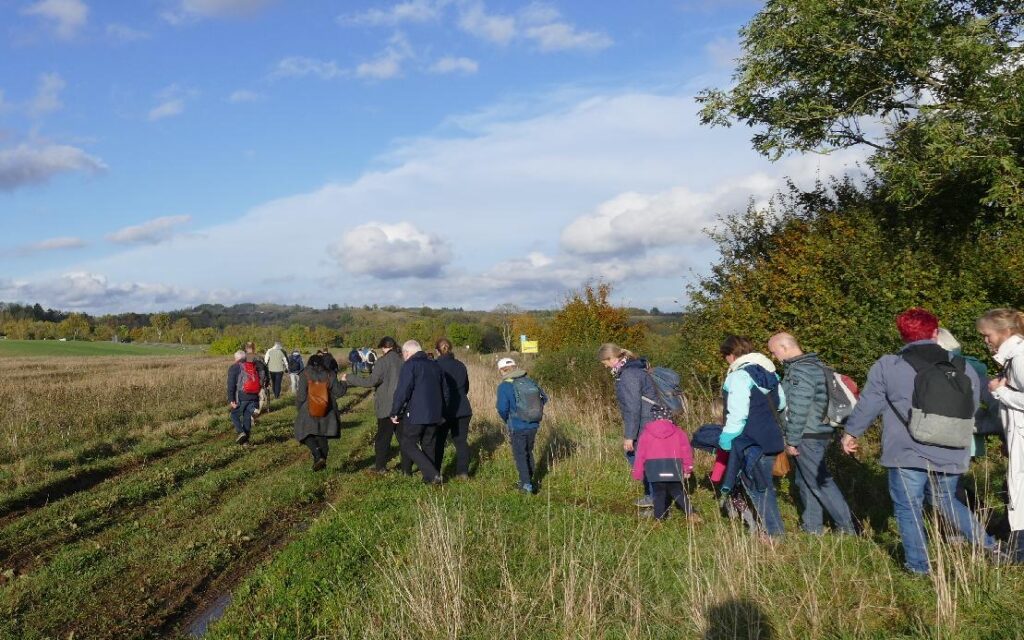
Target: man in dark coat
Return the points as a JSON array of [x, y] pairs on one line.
[[383, 380], [418, 404], [457, 410]]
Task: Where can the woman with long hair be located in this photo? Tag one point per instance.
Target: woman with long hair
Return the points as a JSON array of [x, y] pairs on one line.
[[316, 399]]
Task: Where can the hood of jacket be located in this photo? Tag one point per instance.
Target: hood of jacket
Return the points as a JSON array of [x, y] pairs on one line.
[[1011, 348], [753, 358], [661, 429], [515, 373]]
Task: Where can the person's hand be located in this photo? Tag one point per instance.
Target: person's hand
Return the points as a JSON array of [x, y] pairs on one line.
[[996, 383], [849, 444], [627, 445], [234, 405], [791, 450], [394, 420], [344, 377]]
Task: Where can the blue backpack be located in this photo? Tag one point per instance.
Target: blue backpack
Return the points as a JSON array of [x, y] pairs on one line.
[[670, 394], [529, 403]]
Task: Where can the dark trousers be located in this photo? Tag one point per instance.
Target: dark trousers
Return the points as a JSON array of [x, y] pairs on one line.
[[417, 442], [275, 381], [458, 429], [663, 493], [317, 446], [382, 445], [522, 452], [241, 416]]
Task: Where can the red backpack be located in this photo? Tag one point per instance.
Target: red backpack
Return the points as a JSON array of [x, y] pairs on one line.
[[250, 378]]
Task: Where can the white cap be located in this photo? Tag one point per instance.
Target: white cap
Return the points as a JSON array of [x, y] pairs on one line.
[[506, 362]]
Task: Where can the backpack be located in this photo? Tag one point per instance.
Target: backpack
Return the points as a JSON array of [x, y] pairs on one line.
[[318, 397], [249, 378], [842, 397], [670, 394], [294, 363], [942, 407], [529, 404], [371, 357]]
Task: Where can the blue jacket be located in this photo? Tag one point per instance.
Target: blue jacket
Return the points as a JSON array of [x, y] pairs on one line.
[[421, 392], [507, 403], [457, 379], [749, 392], [632, 384]]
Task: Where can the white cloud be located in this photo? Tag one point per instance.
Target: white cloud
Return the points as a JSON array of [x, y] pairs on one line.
[[411, 11], [29, 164], [154, 231], [66, 16], [244, 95], [124, 33], [298, 67], [723, 52], [47, 98], [496, 28], [561, 36], [171, 102], [52, 244], [452, 64], [190, 10], [389, 251], [389, 63]]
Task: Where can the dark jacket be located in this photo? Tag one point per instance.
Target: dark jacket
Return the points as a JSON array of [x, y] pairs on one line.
[[806, 393], [330, 362], [235, 394], [421, 392], [506, 403], [383, 381], [295, 363], [457, 379], [307, 425], [758, 392], [632, 384]]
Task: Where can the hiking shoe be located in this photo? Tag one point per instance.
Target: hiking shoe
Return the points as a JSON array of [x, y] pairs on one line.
[[242, 438], [527, 488], [462, 476], [435, 481], [319, 464], [646, 502]]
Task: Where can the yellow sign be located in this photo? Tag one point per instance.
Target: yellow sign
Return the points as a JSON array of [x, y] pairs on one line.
[[530, 346]]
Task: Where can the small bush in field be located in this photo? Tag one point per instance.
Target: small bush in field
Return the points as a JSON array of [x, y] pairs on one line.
[[225, 346]]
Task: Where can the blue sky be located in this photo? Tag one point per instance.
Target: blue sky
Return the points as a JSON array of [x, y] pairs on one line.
[[162, 153]]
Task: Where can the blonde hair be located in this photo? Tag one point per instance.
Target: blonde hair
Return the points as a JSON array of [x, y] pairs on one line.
[[612, 350], [1003, 320], [718, 410]]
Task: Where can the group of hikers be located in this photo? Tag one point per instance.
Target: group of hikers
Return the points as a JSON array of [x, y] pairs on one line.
[[936, 407]]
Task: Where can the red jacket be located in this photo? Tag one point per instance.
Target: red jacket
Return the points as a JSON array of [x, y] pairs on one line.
[[662, 439]]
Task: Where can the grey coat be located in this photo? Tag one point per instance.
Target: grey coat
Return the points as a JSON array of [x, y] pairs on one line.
[[891, 376], [806, 398], [307, 425], [383, 381]]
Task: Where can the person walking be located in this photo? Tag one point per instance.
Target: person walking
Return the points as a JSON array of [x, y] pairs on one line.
[[355, 360], [808, 435], [635, 393], [419, 399], [1003, 330], [664, 455], [316, 402], [383, 380], [277, 364], [918, 467], [245, 382], [295, 367], [457, 410], [520, 404], [752, 434]]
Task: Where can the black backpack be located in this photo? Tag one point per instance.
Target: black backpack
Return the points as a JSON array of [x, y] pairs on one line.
[[942, 407]]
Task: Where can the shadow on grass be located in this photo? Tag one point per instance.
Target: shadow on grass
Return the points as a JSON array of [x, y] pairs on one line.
[[558, 446], [489, 436], [739, 618]]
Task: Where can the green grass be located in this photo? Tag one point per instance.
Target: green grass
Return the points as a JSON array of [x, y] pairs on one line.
[[56, 348]]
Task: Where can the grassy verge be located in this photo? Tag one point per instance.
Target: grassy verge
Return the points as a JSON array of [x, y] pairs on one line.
[[77, 348]]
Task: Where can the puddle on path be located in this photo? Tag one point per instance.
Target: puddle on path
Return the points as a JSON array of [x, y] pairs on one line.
[[202, 621]]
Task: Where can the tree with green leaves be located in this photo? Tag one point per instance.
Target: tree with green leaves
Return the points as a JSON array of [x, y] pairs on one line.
[[935, 88]]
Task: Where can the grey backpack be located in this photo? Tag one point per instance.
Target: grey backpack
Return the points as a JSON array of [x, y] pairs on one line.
[[942, 407]]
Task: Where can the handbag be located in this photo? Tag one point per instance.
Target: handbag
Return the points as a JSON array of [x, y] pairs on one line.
[[781, 467]]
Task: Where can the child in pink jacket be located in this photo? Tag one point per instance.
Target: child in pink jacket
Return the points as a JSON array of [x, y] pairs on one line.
[[667, 449]]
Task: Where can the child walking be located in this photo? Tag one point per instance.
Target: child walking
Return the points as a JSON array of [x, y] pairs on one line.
[[521, 406], [664, 455]]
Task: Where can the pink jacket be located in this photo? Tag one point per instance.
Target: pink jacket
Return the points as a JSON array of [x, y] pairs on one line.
[[662, 439]]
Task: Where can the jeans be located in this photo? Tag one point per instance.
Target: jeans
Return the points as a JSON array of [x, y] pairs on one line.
[[275, 381], [382, 446], [662, 491], [631, 458], [458, 429], [761, 490], [317, 446], [522, 452], [417, 442], [818, 489], [907, 488], [241, 416]]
